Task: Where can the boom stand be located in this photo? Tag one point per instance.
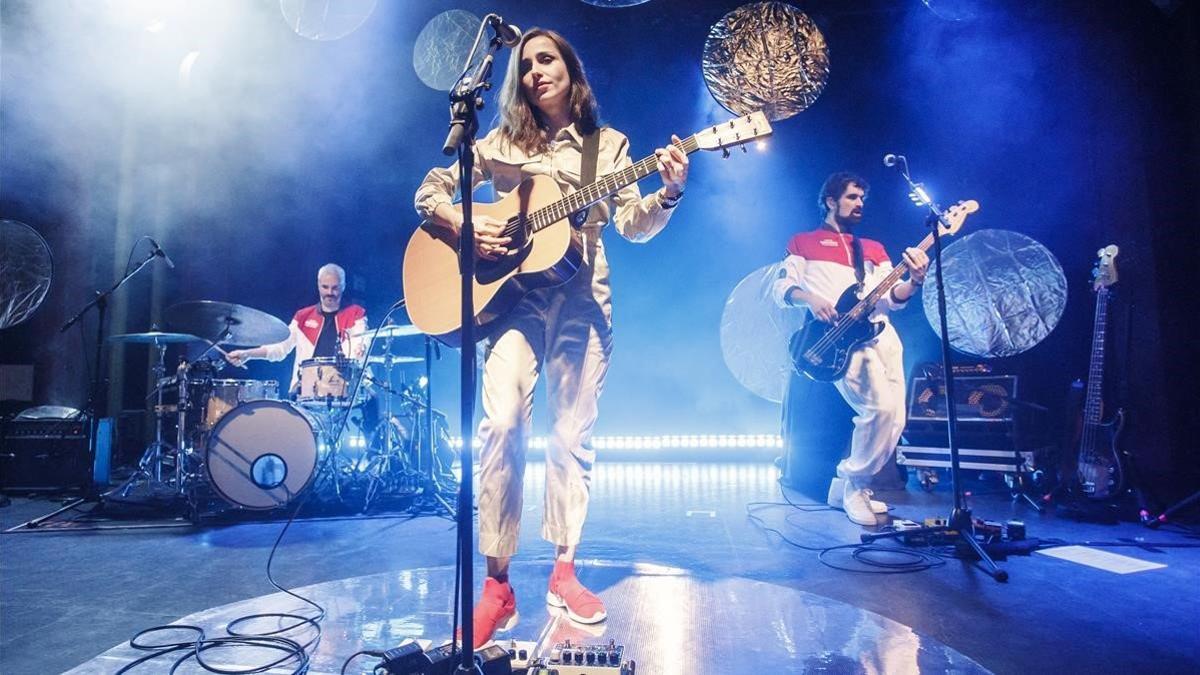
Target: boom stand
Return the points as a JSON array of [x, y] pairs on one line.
[[95, 406], [466, 99], [960, 523]]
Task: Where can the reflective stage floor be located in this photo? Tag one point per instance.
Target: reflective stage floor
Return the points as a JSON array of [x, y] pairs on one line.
[[693, 585], [669, 622]]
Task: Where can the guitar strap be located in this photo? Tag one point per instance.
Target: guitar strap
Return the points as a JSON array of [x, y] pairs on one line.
[[856, 254], [587, 172]]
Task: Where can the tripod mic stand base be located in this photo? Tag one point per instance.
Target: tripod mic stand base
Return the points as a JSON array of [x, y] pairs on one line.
[[960, 527]]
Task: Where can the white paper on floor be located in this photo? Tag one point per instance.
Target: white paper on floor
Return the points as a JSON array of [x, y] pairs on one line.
[[1105, 560]]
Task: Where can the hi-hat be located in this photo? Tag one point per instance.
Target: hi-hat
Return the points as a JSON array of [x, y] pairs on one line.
[[227, 323], [155, 338]]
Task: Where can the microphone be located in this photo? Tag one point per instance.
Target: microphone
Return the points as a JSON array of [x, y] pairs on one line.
[[890, 159], [508, 33], [162, 254]]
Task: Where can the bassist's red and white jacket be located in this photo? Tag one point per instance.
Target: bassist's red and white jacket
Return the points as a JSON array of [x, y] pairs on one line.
[[820, 262], [305, 328]]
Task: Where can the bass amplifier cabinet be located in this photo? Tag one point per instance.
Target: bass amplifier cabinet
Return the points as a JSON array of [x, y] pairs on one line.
[[987, 432], [53, 454]]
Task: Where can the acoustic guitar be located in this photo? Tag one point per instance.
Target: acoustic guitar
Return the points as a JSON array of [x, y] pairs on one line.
[[548, 248]]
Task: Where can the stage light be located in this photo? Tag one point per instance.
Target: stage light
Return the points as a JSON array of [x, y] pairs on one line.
[[151, 16], [761, 145]]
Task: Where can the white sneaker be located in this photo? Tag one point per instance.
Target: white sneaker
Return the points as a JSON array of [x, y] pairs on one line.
[[857, 505], [837, 490]]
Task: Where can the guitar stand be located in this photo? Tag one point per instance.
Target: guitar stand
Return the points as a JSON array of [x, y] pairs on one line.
[[1164, 517]]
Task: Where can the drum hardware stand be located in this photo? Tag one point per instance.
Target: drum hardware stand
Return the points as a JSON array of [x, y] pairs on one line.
[[960, 524], [150, 466]]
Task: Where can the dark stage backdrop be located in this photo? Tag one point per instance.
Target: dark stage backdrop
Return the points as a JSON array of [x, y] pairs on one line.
[[1071, 122]]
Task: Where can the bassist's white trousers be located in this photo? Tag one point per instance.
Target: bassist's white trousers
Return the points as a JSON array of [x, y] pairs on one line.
[[874, 387], [564, 336]]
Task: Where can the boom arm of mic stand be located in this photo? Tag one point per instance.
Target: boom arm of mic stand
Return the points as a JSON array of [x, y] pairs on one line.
[[101, 298]]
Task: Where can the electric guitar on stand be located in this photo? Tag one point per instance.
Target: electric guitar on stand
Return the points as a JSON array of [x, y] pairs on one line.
[[1099, 473], [822, 350], [549, 250]]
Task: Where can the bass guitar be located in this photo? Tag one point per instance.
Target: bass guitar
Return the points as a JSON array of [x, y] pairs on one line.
[[822, 350], [549, 250], [1099, 472]]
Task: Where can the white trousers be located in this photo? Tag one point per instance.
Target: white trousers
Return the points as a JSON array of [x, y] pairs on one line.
[[564, 334], [874, 386]]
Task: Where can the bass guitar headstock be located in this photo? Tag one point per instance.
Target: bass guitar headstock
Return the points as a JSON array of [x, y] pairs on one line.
[[953, 217], [1105, 272]]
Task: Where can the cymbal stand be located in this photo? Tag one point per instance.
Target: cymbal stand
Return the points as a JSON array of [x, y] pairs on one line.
[[389, 462], [181, 445], [150, 466]]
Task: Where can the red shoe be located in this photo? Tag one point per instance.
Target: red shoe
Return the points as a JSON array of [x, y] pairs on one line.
[[566, 592], [495, 611]]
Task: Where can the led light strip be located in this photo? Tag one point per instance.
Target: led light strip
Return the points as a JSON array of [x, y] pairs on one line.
[[706, 441]]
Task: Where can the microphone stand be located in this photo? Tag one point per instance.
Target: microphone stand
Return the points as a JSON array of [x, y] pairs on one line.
[[960, 524], [466, 99], [94, 407]]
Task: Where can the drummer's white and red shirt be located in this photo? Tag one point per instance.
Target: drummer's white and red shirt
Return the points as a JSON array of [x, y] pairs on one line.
[[305, 328], [821, 261]]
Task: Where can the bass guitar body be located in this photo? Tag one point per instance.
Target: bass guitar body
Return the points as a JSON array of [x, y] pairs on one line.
[[548, 257], [1099, 472], [822, 350]]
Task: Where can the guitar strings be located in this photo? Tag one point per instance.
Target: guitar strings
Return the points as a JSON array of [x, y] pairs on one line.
[[590, 194], [1090, 408], [834, 334]]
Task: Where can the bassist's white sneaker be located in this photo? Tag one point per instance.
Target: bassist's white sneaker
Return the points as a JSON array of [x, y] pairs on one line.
[[857, 504], [837, 490]]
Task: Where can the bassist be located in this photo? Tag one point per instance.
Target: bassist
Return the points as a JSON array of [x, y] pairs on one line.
[[820, 265]]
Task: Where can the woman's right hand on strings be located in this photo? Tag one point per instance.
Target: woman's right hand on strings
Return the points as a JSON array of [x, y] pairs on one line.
[[490, 240]]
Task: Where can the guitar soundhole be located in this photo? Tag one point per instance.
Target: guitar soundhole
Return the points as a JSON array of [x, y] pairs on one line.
[[518, 228]]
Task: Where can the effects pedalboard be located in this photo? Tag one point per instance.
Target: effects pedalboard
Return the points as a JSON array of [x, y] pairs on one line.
[[1012, 530], [566, 658], [506, 657]]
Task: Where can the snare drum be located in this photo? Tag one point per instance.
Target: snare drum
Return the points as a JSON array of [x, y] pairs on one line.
[[327, 381], [220, 396], [263, 454]]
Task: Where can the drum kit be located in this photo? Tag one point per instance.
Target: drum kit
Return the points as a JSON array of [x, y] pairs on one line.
[[354, 438]]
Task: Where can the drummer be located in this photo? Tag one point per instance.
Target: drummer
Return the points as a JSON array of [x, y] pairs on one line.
[[323, 330]]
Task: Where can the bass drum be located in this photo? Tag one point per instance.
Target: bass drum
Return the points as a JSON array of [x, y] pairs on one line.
[[262, 454]]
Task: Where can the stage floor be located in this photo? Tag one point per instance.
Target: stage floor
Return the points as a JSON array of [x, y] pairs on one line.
[[692, 585]]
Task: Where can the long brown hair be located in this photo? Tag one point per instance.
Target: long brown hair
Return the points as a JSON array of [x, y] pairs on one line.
[[520, 122]]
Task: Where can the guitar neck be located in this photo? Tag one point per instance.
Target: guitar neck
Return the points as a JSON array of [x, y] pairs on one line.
[[865, 305], [1093, 402], [601, 188]]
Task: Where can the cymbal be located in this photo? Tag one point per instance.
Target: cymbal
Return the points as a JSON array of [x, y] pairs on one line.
[[396, 359], [240, 325], [394, 331], [154, 338]]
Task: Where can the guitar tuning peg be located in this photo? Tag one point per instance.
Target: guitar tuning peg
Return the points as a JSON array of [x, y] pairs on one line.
[[744, 150], [724, 153]]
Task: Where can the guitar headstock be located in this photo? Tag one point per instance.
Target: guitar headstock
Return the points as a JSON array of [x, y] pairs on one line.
[[734, 132], [1105, 273], [953, 217]]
